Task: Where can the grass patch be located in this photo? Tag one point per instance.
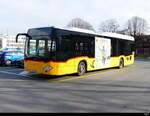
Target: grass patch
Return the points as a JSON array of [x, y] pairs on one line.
[[142, 56]]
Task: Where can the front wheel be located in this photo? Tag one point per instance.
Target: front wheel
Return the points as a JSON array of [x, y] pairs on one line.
[[81, 69]]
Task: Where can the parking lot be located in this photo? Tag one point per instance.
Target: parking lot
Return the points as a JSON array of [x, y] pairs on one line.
[[112, 90]]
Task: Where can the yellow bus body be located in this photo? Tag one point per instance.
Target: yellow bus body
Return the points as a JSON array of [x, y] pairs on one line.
[[71, 66]]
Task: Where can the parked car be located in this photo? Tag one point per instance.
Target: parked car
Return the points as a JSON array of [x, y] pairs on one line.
[[19, 63], [9, 57]]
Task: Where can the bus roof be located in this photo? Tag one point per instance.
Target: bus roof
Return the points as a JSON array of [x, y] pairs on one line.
[[105, 34], [119, 36], [79, 30]]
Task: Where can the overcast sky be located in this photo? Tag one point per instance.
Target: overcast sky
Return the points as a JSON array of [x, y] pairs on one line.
[[19, 15]]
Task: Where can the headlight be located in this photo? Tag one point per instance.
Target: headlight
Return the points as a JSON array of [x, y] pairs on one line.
[[48, 68]]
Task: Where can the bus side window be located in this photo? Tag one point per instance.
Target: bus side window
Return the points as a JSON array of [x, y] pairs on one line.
[[113, 47], [66, 43], [121, 47], [125, 47], [76, 46], [132, 47], [81, 46], [128, 50], [92, 49]]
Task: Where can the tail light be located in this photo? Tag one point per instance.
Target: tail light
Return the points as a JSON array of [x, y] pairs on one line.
[[4, 56]]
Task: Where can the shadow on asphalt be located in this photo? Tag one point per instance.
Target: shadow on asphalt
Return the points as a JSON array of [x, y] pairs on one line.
[[42, 77], [142, 59], [49, 77]]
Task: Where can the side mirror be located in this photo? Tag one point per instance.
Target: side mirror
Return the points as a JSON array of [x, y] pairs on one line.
[[21, 34]]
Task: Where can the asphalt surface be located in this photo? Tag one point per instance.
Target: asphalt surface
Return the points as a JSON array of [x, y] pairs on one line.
[[104, 91]]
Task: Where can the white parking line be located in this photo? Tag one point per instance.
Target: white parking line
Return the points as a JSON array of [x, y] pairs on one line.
[[15, 69], [14, 74], [9, 72], [24, 73]]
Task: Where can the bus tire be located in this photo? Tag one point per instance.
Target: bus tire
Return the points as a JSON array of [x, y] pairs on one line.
[[82, 68], [121, 63]]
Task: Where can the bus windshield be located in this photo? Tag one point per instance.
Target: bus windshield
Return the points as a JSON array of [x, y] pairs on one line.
[[41, 46]]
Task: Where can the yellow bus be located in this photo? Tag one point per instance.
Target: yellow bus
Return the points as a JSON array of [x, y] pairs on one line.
[[58, 51]]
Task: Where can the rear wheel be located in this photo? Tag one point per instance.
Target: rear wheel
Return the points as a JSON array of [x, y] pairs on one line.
[[121, 64], [81, 68]]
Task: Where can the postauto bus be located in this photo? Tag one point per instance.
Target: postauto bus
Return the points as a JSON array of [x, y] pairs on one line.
[[58, 51]]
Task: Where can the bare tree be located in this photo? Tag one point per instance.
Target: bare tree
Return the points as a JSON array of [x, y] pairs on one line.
[[110, 25], [79, 23], [137, 26]]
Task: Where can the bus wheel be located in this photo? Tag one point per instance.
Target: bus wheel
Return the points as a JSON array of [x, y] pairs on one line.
[[81, 69], [121, 64]]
